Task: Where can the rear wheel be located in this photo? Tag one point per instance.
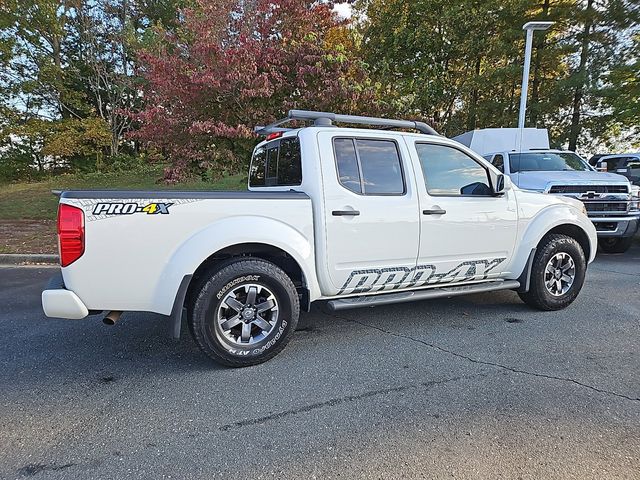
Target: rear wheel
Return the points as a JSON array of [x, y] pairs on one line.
[[557, 273], [245, 313], [615, 244]]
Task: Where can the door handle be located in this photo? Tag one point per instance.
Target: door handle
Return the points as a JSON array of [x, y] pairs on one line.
[[344, 213], [435, 211]]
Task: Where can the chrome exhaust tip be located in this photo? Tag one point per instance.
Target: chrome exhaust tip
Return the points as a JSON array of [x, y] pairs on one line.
[[111, 318]]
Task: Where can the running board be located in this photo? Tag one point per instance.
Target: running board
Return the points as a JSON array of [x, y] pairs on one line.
[[400, 297]]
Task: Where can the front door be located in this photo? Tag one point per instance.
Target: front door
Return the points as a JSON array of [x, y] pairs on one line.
[[467, 233], [371, 212]]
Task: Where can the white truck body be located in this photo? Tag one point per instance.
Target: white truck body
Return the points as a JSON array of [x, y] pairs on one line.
[[137, 260]]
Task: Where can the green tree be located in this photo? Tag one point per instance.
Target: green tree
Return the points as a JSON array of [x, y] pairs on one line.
[[70, 66], [233, 65], [622, 94], [455, 64]]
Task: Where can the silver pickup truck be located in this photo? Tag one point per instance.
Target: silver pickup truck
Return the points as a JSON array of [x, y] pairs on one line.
[[610, 199]]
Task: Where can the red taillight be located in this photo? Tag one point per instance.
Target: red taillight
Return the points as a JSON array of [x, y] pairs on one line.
[[274, 135], [70, 233]]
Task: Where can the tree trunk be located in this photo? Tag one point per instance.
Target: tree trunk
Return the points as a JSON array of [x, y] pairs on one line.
[[124, 57], [512, 98], [56, 51], [581, 77], [115, 142], [473, 106], [535, 84]]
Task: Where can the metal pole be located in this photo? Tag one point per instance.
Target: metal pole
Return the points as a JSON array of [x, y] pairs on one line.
[[525, 78]]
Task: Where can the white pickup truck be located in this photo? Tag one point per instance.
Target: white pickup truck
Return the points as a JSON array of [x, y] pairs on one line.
[[348, 216]]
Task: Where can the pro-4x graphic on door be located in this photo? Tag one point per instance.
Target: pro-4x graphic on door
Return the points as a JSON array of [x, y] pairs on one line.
[[377, 279]]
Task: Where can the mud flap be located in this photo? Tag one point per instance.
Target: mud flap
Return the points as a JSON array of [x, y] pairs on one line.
[[179, 308], [525, 276]]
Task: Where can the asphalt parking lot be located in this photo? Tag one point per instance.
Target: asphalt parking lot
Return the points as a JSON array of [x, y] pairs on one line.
[[473, 387]]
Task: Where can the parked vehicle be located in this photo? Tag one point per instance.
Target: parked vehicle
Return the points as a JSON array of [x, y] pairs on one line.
[[593, 161], [352, 217], [524, 155], [626, 164]]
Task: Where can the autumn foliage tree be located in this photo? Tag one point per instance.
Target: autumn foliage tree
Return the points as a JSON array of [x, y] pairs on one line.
[[231, 65]]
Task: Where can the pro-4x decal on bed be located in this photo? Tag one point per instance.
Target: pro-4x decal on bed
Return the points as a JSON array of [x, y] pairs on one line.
[[369, 280], [121, 208], [101, 208]]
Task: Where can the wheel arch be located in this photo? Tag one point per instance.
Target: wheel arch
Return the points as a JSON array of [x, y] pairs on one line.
[[574, 231], [252, 250], [273, 240], [555, 218], [569, 229]]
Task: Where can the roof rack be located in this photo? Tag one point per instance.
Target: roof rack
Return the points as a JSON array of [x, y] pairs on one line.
[[326, 119]]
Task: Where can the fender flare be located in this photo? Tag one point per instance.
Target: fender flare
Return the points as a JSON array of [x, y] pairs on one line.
[[544, 221], [189, 255]]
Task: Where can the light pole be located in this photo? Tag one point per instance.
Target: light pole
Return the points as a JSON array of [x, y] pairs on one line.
[[529, 27]]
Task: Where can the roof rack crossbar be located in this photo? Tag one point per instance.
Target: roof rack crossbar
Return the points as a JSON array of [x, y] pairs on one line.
[[264, 130], [323, 119]]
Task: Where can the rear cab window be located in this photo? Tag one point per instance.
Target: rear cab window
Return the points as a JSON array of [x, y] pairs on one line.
[[277, 164]]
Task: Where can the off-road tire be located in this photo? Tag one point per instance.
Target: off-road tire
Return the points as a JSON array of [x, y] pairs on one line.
[[615, 244], [539, 296], [210, 294]]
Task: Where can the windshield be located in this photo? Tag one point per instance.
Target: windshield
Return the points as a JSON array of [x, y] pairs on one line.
[[547, 162]]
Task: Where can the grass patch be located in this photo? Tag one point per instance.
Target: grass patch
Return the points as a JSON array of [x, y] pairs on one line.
[[35, 200]]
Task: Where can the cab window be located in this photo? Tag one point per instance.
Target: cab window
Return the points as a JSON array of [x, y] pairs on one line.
[[498, 162], [369, 166], [277, 164], [451, 172]]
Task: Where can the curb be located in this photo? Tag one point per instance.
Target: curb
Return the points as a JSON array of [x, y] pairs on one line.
[[28, 259]]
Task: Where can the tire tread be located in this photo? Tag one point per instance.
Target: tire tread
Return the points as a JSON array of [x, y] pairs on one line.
[[239, 268], [536, 298]]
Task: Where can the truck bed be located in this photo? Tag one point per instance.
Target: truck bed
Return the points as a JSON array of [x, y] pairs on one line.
[[139, 245]]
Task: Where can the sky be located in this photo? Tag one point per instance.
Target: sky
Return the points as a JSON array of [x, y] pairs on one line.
[[343, 9]]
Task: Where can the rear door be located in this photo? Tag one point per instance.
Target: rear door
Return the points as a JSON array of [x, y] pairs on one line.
[[371, 210]]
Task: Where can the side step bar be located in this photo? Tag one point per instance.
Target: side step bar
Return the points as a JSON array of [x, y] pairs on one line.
[[440, 292]]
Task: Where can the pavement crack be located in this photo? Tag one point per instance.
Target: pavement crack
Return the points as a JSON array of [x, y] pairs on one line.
[[35, 468], [484, 362], [340, 400]]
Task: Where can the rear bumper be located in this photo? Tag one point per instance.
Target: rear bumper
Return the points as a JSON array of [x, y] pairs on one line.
[[58, 302], [616, 226]]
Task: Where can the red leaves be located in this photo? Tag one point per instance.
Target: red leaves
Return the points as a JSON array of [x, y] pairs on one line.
[[232, 65]]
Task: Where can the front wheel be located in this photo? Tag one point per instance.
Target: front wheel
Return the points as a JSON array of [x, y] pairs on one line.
[[557, 274], [615, 244], [245, 313]]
